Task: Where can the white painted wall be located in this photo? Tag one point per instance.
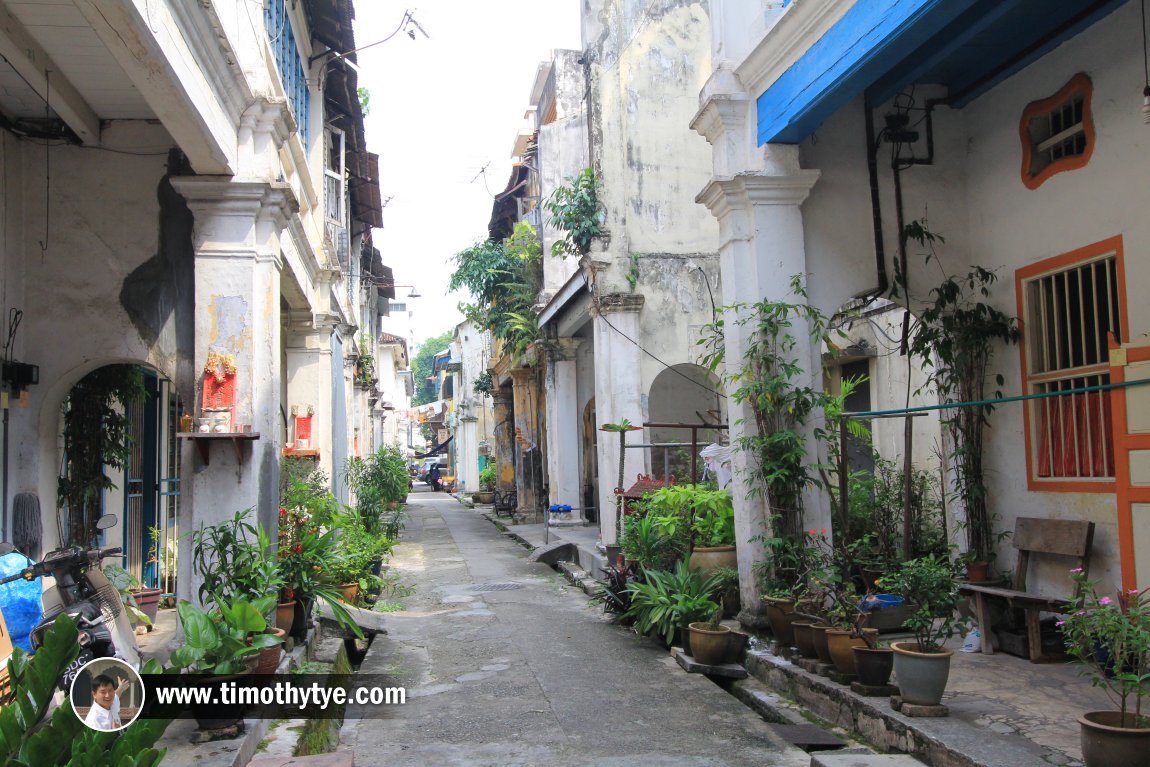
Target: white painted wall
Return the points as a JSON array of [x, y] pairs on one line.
[[974, 196]]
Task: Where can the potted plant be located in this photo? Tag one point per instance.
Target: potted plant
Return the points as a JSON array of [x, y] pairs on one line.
[[621, 429], [355, 552], [1111, 636], [784, 574], [224, 643], [923, 666], [709, 513], [233, 558], [128, 586], [304, 554], [667, 601], [957, 332], [653, 542], [709, 639], [486, 492]]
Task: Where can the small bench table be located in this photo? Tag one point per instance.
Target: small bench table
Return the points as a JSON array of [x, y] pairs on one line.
[[1033, 536]]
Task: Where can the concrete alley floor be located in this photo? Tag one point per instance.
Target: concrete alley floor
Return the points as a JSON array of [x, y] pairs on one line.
[[504, 664]]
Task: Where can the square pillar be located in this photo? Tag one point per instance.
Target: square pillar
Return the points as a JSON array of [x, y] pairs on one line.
[[618, 396], [564, 445], [761, 247], [237, 288]]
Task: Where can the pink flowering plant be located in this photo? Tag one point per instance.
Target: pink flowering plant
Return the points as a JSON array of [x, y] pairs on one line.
[[1111, 636]]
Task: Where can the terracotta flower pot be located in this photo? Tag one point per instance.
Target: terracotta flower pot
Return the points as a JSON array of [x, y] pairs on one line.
[[781, 614], [819, 639], [977, 572], [1108, 739], [269, 658], [839, 644], [148, 600], [804, 639], [285, 615], [707, 559], [348, 592]]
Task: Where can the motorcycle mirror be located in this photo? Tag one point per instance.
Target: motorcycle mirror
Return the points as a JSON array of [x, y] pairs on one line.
[[6, 548], [107, 521]]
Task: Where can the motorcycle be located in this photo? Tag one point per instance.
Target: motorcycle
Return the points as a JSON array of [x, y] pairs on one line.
[[83, 592]]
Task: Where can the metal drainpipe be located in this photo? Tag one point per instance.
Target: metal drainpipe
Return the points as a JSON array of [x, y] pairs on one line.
[[875, 204]]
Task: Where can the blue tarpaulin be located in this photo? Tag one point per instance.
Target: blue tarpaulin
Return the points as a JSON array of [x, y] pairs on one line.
[[19, 600]]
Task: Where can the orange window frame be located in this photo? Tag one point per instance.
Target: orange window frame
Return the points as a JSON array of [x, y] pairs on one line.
[[1111, 245], [1037, 109]]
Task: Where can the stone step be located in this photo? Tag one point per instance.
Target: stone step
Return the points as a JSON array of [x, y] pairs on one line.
[[337, 759], [864, 760]]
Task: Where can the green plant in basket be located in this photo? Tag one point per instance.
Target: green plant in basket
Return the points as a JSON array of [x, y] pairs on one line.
[[1111, 636]]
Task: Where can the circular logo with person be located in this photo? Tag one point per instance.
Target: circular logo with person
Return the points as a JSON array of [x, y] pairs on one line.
[[107, 694]]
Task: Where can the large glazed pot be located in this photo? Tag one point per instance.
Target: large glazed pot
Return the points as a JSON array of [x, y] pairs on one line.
[[804, 640], [1109, 740], [709, 647], [839, 644], [781, 614], [874, 666], [822, 649], [921, 677], [707, 559]]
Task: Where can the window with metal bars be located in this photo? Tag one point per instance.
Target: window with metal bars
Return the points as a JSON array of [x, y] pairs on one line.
[[1071, 304], [289, 62], [1057, 132]]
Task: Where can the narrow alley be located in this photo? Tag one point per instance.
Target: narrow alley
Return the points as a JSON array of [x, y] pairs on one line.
[[505, 664]]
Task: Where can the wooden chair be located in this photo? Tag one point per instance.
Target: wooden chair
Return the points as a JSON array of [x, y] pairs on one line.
[[1038, 537]]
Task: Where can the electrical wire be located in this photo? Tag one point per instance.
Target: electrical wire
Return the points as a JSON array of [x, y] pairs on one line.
[[664, 364]]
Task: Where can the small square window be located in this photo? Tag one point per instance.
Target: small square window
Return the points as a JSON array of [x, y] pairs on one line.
[[1057, 132]]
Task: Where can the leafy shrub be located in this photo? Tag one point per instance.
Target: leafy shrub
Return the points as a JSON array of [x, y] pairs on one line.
[[668, 601]]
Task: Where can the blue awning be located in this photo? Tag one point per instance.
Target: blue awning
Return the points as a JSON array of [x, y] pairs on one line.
[[879, 47]]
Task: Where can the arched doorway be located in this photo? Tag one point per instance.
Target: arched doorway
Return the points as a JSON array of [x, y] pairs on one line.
[[682, 394], [118, 455]]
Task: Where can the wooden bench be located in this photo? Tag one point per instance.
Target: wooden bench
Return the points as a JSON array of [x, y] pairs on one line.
[[1034, 536]]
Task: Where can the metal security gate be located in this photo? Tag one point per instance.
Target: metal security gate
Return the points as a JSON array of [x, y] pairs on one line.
[[152, 484]]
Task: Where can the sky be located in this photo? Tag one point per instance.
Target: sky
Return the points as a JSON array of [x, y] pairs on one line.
[[444, 113]]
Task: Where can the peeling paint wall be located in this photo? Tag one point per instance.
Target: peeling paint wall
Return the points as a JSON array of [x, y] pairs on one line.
[[98, 291], [648, 61]]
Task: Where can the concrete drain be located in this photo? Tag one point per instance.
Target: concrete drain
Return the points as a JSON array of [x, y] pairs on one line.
[[496, 587]]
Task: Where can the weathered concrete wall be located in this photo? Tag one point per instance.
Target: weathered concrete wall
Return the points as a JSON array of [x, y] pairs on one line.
[[562, 153], [647, 64], [105, 288], [974, 196]]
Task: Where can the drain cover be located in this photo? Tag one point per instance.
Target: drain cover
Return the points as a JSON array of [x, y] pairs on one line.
[[496, 586]]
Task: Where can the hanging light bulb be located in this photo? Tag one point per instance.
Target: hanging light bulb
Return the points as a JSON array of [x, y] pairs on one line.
[[1146, 105]]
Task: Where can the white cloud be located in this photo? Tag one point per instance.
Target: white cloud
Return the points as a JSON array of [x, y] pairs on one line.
[[442, 109]]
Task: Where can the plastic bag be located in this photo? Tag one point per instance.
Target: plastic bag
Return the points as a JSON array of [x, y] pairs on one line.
[[19, 600]]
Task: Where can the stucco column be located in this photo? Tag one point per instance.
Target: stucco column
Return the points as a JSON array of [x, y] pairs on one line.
[[238, 263], [467, 470], [309, 360], [504, 437], [618, 396], [761, 248], [563, 417], [529, 469]]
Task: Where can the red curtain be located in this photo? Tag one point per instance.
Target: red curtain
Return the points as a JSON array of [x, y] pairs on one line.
[[1074, 436]]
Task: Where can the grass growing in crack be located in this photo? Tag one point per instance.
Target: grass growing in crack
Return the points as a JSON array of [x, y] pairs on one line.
[[321, 736], [386, 606]]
